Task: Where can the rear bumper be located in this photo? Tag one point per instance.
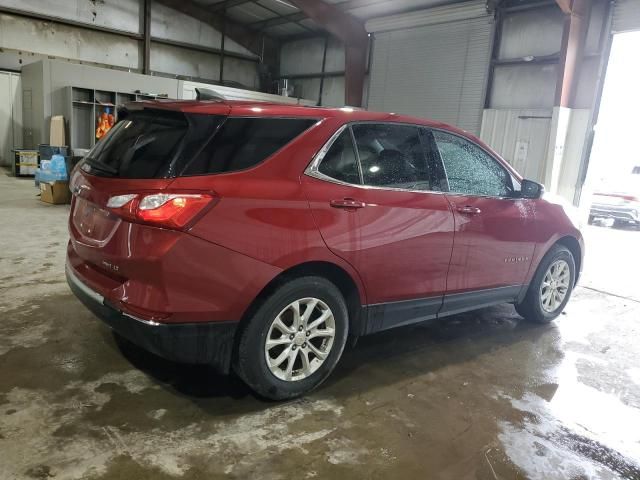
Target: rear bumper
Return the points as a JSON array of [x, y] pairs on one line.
[[209, 343]]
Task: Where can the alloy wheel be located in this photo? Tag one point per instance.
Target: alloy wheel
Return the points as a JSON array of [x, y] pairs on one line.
[[300, 339], [555, 286]]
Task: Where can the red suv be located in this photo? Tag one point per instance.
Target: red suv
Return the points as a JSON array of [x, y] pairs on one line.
[[259, 237]]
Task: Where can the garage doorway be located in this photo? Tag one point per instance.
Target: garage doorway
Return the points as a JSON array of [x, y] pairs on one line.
[[613, 178], [615, 148]]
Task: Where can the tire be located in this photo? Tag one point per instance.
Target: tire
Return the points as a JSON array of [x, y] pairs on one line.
[[538, 310], [619, 224], [282, 382]]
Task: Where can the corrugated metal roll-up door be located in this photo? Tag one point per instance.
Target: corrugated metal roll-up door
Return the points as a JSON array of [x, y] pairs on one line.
[[626, 16], [433, 63]]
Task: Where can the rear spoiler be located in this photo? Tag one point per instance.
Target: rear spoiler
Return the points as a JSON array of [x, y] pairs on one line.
[[208, 94]]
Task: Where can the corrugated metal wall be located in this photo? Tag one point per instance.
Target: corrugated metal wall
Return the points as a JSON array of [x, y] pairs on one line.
[[26, 40], [304, 58], [626, 16], [437, 71], [520, 136]]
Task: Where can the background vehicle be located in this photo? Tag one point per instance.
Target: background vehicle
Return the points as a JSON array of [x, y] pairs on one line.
[[619, 201], [260, 237]]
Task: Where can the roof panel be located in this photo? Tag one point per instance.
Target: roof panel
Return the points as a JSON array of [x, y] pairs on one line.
[[366, 9], [282, 7], [250, 12], [206, 3], [307, 22], [285, 30]]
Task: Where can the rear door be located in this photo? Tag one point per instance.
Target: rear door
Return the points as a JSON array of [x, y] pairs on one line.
[[494, 229], [377, 206]]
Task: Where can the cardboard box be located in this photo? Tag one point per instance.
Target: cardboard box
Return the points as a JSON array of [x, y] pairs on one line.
[[55, 192], [56, 132]]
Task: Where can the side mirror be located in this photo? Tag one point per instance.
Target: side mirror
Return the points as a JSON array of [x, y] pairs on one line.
[[531, 189]]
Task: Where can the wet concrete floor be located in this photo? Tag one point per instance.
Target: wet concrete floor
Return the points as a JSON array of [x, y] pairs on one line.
[[476, 396]]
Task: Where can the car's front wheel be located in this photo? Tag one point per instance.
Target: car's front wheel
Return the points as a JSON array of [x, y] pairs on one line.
[[294, 339], [551, 286]]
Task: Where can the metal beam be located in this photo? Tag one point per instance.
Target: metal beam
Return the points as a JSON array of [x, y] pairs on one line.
[[203, 48], [295, 76], [71, 23], [244, 36], [273, 22], [146, 32], [566, 6], [574, 35], [224, 25], [351, 32], [225, 5]]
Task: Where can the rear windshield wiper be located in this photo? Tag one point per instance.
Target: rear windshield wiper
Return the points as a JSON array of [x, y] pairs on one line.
[[95, 163]]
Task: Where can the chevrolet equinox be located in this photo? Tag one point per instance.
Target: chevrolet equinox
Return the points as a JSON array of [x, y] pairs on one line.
[[258, 237]]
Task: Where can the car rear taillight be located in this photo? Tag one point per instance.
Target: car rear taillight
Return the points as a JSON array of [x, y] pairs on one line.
[[175, 210]]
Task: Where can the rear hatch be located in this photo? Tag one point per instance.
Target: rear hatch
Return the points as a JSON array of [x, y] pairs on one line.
[[128, 177], [142, 154]]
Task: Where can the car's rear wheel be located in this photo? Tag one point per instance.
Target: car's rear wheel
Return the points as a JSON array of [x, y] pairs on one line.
[[294, 339], [550, 288]]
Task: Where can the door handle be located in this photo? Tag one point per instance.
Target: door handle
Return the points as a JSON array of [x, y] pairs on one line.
[[469, 210], [347, 203]]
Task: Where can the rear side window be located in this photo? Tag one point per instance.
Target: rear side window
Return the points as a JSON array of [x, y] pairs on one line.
[[340, 161], [142, 145], [166, 144], [244, 142]]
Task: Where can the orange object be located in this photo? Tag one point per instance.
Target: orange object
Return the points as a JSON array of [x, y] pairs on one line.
[[105, 122]]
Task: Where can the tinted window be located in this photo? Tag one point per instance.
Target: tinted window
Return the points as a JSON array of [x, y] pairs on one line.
[[340, 161], [392, 156], [470, 170], [142, 145], [242, 143]]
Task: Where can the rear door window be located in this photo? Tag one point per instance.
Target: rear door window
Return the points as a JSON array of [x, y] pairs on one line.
[[392, 156], [242, 143]]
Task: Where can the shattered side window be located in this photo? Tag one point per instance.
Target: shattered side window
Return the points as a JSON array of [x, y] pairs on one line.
[[470, 170]]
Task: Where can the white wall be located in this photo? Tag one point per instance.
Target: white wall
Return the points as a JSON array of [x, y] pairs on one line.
[[25, 40], [520, 136]]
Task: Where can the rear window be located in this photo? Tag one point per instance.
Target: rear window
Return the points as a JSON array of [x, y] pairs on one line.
[[165, 144]]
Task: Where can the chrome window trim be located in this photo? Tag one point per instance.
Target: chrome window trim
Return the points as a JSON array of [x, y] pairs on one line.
[[312, 169]]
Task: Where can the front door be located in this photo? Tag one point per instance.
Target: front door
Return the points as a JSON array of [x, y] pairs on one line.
[[376, 208], [493, 244]]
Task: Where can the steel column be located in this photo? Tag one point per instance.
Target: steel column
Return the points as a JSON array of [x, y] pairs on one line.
[[146, 32], [351, 32], [574, 36]]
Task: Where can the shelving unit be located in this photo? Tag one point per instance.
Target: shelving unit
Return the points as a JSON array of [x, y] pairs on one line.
[[86, 104]]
